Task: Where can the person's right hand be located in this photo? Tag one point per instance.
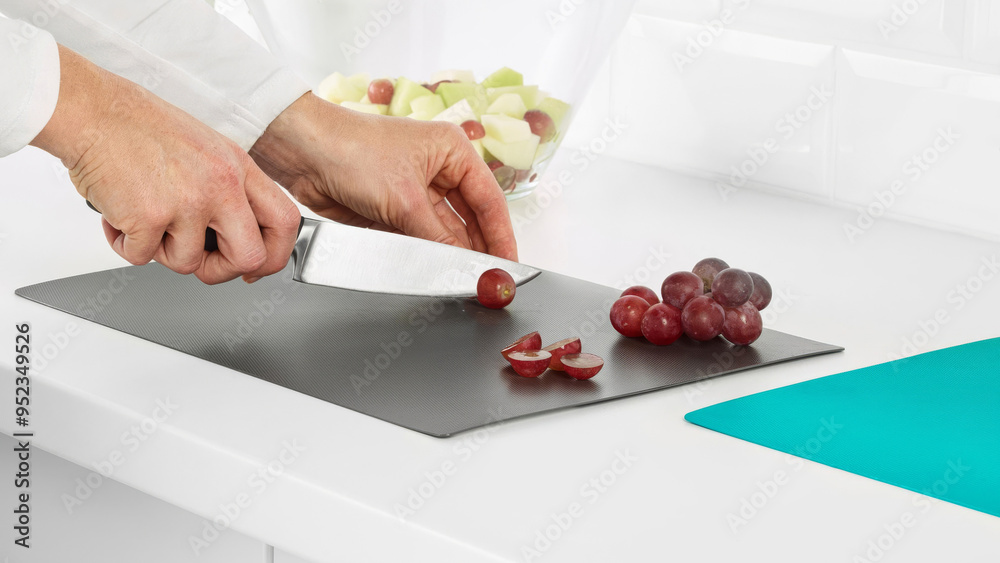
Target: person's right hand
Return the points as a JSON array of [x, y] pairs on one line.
[[161, 177]]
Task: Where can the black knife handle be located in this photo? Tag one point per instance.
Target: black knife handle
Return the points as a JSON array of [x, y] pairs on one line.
[[211, 237]]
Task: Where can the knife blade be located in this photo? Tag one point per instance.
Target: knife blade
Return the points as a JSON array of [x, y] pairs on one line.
[[336, 255]]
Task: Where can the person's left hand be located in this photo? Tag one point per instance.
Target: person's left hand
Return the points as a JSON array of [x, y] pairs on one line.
[[389, 173]]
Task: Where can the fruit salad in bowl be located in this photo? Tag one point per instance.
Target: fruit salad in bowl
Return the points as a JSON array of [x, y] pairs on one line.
[[515, 127]]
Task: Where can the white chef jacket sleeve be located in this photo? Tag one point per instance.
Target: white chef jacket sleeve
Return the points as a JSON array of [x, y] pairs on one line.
[[181, 50], [29, 83]]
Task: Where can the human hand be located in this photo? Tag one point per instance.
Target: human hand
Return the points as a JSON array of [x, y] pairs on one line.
[[422, 179], [161, 177]]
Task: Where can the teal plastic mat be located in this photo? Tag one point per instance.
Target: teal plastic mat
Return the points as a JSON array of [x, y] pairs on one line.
[[929, 423]]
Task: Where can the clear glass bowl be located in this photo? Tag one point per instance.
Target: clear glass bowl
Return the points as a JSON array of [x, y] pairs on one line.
[[557, 45]]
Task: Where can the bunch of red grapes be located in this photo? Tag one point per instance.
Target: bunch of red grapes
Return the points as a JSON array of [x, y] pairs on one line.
[[710, 300]]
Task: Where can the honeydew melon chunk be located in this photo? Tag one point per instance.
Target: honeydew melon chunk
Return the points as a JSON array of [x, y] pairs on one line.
[[556, 108], [529, 94], [478, 145], [360, 80], [404, 93], [454, 75], [504, 77], [457, 114], [365, 100], [518, 154], [421, 116], [505, 129], [454, 92], [508, 104], [338, 88], [432, 105], [374, 109]]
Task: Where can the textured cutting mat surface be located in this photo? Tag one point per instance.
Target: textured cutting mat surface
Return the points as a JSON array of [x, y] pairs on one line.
[[431, 365]]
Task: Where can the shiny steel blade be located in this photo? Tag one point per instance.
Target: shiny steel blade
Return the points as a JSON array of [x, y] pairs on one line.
[[337, 255]]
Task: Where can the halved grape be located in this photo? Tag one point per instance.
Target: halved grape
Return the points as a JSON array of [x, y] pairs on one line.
[[706, 270], [681, 287], [505, 177], [703, 318], [732, 287], [761, 296], [541, 124], [494, 164]]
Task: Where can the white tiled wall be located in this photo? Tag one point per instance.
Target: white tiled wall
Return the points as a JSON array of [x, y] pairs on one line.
[[828, 100]]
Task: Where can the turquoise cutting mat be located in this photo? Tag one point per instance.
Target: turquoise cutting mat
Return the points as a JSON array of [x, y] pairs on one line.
[[929, 423]]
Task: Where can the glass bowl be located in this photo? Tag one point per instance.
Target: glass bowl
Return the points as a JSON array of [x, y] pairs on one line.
[[556, 45]]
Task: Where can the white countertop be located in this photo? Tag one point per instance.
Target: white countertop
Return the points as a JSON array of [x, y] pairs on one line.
[[336, 499]]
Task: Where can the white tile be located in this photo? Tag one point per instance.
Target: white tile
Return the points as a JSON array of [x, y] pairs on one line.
[[688, 10], [890, 114], [984, 38], [711, 112], [935, 27]]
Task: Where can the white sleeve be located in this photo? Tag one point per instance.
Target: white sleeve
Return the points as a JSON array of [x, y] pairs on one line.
[[181, 50], [29, 86]]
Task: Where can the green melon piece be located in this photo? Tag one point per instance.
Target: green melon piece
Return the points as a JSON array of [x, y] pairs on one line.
[[505, 128], [405, 92], [427, 104], [517, 154], [504, 77], [531, 95], [557, 110], [454, 92], [508, 104]]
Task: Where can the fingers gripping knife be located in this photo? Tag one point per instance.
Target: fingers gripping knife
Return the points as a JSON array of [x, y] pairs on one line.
[[336, 255]]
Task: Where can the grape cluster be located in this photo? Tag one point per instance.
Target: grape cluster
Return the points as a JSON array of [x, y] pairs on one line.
[[710, 300]]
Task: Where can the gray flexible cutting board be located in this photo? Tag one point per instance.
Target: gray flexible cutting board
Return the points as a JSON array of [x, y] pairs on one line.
[[431, 365]]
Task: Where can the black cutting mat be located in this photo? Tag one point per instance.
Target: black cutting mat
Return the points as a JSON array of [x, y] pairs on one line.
[[431, 365]]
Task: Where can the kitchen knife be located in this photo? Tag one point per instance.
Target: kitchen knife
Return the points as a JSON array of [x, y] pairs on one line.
[[336, 255]]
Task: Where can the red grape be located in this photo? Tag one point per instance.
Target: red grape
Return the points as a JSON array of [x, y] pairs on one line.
[[743, 324], [473, 129], [494, 164], [582, 366], [527, 343], [380, 91], [761, 296], [530, 364], [706, 270], [541, 124], [681, 287], [626, 315], [560, 349], [522, 175], [642, 291], [495, 289], [661, 324], [703, 318], [505, 177], [732, 287]]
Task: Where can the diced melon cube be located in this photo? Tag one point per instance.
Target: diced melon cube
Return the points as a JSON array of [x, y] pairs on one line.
[[457, 114], [365, 100], [375, 109], [508, 104], [531, 95], [503, 77], [454, 92], [478, 145], [453, 75], [505, 128], [518, 154], [338, 88], [404, 93], [421, 116], [427, 104], [360, 80], [557, 110]]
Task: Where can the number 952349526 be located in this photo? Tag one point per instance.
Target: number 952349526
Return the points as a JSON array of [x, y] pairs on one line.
[[22, 382]]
